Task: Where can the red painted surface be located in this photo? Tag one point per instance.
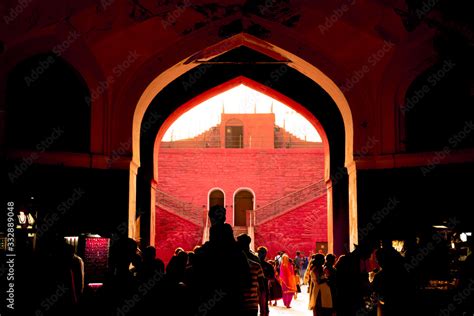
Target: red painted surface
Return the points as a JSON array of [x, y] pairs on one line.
[[257, 129], [297, 230], [173, 232], [190, 173]]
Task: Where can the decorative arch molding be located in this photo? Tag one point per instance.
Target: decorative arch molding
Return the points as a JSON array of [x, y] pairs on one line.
[[258, 87], [297, 64], [79, 57], [234, 122], [242, 39], [406, 80], [392, 84]]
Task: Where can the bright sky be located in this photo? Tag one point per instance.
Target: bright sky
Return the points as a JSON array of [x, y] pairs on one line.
[[240, 99]]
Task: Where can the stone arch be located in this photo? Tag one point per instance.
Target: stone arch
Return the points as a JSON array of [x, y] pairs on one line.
[[258, 87], [344, 176]]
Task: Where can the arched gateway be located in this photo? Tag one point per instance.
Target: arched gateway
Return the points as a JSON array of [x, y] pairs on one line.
[[285, 77]]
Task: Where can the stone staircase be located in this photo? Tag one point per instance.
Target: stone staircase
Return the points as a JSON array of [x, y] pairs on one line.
[[285, 139], [289, 202], [178, 207], [195, 214], [207, 139]]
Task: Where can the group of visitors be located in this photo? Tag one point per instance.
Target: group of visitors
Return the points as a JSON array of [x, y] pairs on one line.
[[225, 277]]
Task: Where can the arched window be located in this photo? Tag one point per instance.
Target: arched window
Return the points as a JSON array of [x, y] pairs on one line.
[[243, 201], [234, 134]]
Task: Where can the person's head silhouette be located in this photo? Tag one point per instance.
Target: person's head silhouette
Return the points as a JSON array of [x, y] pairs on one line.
[[262, 252], [149, 253], [221, 234], [243, 240], [217, 214]]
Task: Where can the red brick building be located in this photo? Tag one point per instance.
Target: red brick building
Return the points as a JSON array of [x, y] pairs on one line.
[[244, 163]]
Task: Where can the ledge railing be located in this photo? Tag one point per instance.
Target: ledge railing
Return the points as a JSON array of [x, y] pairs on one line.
[[183, 209], [289, 201]]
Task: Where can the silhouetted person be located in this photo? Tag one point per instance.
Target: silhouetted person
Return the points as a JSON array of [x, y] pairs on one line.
[[269, 276], [342, 286], [217, 214], [298, 262], [256, 289], [307, 274], [392, 285], [220, 273], [176, 293], [331, 274], [151, 265], [304, 266], [120, 285], [243, 241], [176, 267], [276, 292], [353, 280], [151, 285], [466, 281], [393, 255], [67, 280], [137, 264], [278, 260], [178, 250]]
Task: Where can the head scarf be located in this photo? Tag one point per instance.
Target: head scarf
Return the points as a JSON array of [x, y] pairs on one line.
[[287, 274]]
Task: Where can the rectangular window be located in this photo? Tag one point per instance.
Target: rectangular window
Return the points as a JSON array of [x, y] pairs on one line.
[[234, 137]]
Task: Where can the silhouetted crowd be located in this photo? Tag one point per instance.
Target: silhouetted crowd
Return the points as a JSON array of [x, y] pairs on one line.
[[225, 277]]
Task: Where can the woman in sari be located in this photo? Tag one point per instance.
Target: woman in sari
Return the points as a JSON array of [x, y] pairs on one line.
[[287, 276]]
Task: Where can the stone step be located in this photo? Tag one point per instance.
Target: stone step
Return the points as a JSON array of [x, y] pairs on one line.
[[240, 230]]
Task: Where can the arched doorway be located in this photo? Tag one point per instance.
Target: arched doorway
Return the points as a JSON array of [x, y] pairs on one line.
[[302, 84], [243, 201], [234, 134], [216, 197]]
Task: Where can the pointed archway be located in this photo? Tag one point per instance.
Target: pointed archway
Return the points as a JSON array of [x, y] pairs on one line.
[[292, 77]]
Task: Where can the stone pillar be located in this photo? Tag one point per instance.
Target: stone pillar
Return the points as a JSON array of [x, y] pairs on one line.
[[340, 216]]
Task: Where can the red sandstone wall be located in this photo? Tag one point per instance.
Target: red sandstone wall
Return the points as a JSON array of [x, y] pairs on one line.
[[189, 174], [296, 230], [172, 232]]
